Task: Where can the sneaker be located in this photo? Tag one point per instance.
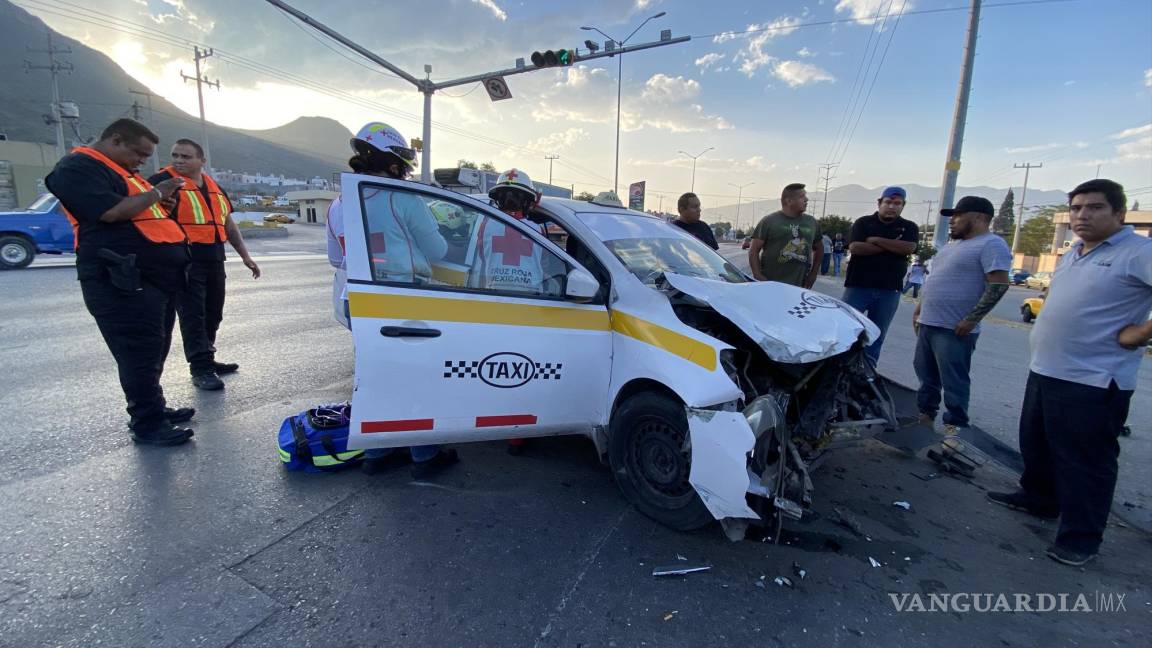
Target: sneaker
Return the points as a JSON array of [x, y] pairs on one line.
[[926, 419], [208, 381], [164, 436], [951, 430], [179, 414], [378, 465], [1068, 556], [226, 368], [1021, 501], [432, 467]]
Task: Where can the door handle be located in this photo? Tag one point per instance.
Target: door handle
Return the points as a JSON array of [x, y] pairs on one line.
[[407, 331]]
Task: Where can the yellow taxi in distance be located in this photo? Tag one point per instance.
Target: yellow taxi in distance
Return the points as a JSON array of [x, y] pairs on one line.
[[1030, 308]]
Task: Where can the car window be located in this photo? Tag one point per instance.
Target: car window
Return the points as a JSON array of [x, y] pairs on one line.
[[44, 203], [419, 239], [648, 258]]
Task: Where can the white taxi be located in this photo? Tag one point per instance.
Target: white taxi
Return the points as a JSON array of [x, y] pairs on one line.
[[707, 393]]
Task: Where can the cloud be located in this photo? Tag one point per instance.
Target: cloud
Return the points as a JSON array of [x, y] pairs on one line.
[[798, 73], [1148, 78], [708, 60], [753, 56], [1138, 149], [561, 141], [756, 163], [490, 5], [864, 12], [804, 52], [1033, 149], [588, 95], [1132, 132], [1069, 83]]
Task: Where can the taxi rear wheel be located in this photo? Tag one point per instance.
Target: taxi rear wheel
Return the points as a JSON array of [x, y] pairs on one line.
[[651, 460]]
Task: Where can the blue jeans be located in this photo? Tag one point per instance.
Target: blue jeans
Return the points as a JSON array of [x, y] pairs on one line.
[[943, 362], [420, 454], [824, 261], [880, 307], [837, 257], [915, 287]]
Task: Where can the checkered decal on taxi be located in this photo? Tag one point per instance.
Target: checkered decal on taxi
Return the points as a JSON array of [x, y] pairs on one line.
[[461, 368], [548, 370]]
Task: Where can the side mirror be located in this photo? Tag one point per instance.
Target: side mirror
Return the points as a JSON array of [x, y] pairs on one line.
[[581, 285]]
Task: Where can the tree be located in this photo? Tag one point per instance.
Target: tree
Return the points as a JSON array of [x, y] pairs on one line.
[[1036, 235], [488, 166], [834, 224], [465, 164], [721, 229], [925, 252], [1005, 220], [586, 196]]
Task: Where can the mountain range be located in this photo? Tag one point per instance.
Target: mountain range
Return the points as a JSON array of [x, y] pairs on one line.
[[304, 148]]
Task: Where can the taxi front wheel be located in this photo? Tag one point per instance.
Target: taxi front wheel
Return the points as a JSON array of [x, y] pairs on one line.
[[651, 459]]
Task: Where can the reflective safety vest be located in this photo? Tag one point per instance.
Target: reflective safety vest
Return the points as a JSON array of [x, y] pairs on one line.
[[202, 220], [152, 223], [506, 260]]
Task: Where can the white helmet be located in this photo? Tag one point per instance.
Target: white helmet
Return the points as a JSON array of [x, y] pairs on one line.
[[516, 181], [381, 137]]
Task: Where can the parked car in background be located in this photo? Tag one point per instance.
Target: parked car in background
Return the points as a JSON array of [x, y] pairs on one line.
[[1018, 276], [1039, 281], [41, 229], [279, 218], [747, 243], [281, 202]]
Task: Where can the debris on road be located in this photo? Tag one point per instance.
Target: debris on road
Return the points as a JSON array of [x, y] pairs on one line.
[[679, 557], [904, 505], [799, 571], [928, 477], [873, 561], [848, 522], [783, 581], [668, 617], [679, 570]]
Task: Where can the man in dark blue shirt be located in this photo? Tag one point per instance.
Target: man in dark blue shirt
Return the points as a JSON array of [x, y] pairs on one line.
[[689, 207]]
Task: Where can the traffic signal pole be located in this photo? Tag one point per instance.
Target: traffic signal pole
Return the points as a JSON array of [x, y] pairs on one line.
[[427, 87]]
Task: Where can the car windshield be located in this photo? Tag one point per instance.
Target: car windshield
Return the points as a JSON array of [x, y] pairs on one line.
[[44, 203], [649, 246]]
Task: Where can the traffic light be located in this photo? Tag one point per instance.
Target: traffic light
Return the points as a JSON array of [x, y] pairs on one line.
[[553, 58]]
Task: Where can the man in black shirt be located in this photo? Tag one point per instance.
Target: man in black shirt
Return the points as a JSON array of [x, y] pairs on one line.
[[689, 207], [880, 245], [130, 260], [204, 211]]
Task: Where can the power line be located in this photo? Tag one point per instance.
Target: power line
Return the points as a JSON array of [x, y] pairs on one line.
[[857, 82]]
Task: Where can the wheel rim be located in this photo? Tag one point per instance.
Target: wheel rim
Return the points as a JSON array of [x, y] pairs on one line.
[[13, 253], [660, 459]]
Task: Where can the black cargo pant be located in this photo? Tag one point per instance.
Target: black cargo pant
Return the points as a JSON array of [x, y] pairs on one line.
[[201, 308], [1068, 438], [137, 327]]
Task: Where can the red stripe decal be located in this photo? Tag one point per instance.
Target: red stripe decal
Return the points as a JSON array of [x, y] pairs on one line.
[[368, 427], [500, 421]]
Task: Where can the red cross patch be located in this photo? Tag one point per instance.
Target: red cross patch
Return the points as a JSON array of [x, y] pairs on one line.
[[513, 245]]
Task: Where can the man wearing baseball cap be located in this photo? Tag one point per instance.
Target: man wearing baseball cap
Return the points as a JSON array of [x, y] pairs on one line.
[[969, 276], [880, 245]]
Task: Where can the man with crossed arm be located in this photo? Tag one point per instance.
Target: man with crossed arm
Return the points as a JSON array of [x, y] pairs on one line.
[[969, 276]]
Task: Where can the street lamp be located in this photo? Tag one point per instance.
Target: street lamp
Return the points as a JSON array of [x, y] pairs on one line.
[[693, 189], [739, 197], [619, 84]]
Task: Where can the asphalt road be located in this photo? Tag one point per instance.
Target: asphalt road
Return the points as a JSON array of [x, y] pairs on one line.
[[213, 544]]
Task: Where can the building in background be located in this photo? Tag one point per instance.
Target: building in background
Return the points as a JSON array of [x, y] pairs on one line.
[[312, 205]]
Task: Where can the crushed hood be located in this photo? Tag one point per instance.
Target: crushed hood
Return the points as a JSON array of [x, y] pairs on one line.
[[791, 324]]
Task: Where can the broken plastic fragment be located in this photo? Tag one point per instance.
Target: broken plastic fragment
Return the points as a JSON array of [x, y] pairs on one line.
[[904, 505], [721, 442], [783, 581], [668, 617], [799, 571], [679, 557], [679, 570], [873, 561]]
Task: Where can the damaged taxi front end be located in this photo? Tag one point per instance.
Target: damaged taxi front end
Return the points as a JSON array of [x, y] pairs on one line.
[[766, 378]]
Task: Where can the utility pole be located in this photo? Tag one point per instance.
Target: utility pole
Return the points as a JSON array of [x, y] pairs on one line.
[[202, 81], [826, 175], [1027, 166], [550, 159], [55, 67], [151, 120], [924, 234], [740, 197], [956, 142]]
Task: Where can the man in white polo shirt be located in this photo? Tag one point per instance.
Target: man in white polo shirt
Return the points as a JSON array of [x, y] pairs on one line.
[[1086, 350]]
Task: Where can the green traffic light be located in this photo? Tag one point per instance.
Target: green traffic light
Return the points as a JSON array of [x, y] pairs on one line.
[[565, 57]]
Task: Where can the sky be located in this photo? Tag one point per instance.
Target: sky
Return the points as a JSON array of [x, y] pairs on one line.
[[775, 88]]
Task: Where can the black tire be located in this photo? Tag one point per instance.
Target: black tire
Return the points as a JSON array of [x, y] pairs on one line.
[[16, 252], [1026, 314], [649, 434]]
